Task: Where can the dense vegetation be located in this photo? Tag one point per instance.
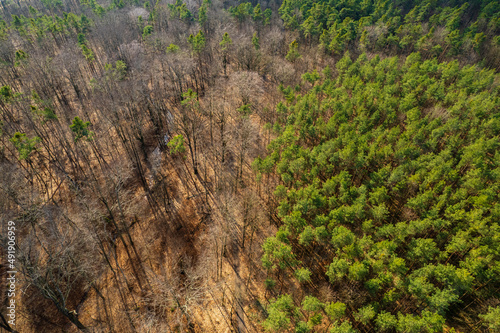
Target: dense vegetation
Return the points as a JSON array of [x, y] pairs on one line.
[[390, 178], [133, 161], [442, 29]]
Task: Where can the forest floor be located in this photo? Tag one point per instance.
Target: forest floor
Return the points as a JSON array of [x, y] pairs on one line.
[[186, 243]]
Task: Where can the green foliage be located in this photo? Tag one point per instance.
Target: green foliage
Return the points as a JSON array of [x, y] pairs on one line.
[[270, 283], [307, 236], [3, 30], [87, 52], [341, 236], [315, 320], [257, 13], [242, 11], [422, 249], [16, 22], [267, 16], [277, 254], [358, 271], [280, 312], [85, 24], [492, 319], [386, 321], [21, 57], [226, 42], [172, 48], [6, 94], [303, 327], [120, 69], [454, 41], [180, 11], [335, 311], [344, 327], [255, 41], [190, 100], [311, 77], [45, 113], [365, 314], [312, 304], [398, 27], [245, 110], [184, 13], [118, 72], [146, 31], [337, 269], [391, 166], [52, 4], [176, 145], [24, 145], [92, 4], [32, 11], [48, 114], [427, 322], [293, 52], [197, 42], [303, 275], [118, 4], [81, 39], [80, 129], [202, 12]]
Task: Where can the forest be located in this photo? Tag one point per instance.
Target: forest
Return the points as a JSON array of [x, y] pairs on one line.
[[264, 166]]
